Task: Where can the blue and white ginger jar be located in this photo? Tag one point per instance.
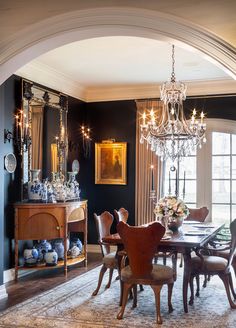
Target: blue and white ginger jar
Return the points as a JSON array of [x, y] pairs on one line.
[[51, 258], [31, 256], [77, 242]]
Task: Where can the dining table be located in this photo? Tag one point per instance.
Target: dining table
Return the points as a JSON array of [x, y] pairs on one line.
[[191, 236]]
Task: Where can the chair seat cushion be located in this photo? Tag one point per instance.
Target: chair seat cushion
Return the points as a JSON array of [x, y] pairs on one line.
[[159, 273], [110, 260], [211, 263]]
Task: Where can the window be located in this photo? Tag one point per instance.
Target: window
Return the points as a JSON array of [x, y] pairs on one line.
[[223, 176], [186, 173], [210, 175]]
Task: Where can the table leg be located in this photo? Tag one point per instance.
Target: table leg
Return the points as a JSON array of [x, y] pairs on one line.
[[186, 277]]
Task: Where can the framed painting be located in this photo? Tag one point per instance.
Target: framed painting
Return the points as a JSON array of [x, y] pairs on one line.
[[110, 163]]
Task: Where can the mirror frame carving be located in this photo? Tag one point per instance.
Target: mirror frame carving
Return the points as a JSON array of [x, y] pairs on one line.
[[37, 95]]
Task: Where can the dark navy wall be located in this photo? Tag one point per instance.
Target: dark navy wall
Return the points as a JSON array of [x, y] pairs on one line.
[[115, 120]]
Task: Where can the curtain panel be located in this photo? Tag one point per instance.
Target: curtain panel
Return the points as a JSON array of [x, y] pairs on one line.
[[144, 159]]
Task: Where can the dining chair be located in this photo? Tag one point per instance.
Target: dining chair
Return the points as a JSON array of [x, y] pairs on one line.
[[121, 215], [197, 214], [221, 246], [140, 245], [216, 265], [109, 261], [200, 215]]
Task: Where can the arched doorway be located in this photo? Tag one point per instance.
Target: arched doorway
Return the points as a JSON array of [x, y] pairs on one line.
[[74, 26]]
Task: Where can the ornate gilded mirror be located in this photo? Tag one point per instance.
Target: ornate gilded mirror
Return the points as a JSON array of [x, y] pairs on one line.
[[42, 127]]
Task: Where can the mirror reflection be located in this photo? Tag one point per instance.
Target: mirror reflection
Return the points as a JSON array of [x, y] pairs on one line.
[[44, 131]]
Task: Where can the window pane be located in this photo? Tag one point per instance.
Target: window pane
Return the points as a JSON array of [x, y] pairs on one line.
[[187, 165], [234, 191], [190, 191], [220, 167], [166, 186], [221, 214], [220, 191], [233, 212], [220, 143], [234, 167], [234, 144]]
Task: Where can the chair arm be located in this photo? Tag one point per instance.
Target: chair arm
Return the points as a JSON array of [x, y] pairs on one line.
[[122, 253]]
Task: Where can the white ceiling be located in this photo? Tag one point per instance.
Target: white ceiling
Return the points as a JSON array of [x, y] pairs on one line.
[[118, 62]]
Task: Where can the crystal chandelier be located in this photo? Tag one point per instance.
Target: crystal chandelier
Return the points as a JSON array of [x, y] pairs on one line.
[[170, 135]]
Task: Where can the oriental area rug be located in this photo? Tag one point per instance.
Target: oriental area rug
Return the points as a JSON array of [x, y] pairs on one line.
[[71, 305]]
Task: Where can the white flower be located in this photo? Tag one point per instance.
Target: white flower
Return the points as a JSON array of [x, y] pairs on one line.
[[171, 206]]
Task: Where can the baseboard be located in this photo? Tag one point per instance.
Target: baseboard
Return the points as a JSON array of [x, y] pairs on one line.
[[3, 293], [9, 275]]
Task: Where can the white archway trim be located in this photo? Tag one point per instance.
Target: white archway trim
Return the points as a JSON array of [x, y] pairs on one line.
[[62, 29]]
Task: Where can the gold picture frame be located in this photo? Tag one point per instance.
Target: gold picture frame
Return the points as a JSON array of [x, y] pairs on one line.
[[110, 163]]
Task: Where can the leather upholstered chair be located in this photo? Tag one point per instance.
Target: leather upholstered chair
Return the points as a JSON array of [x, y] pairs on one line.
[[197, 214], [200, 215], [121, 215], [103, 224], [140, 245], [216, 265]]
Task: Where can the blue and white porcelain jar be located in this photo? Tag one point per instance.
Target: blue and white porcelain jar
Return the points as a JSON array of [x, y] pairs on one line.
[[35, 186], [75, 251], [51, 258], [43, 247], [59, 248], [77, 242], [31, 256]]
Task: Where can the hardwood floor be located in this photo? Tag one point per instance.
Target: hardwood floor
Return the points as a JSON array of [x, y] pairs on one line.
[[42, 280]]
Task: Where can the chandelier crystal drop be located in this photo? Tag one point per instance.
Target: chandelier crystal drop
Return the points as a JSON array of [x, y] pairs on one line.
[[170, 135]]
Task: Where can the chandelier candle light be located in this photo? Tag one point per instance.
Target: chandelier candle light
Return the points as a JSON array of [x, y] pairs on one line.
[[172, 136]]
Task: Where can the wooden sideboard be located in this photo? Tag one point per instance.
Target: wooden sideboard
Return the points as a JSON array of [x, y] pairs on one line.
[[36, 221]]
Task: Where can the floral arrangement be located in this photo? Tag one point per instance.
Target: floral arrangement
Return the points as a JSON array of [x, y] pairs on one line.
[[171, 206]]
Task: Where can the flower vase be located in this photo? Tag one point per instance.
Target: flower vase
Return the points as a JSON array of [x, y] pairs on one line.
[[175, 223], [165, 223], [35, 186]]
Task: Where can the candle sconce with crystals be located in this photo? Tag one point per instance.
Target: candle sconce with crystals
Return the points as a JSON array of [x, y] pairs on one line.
[[86, 136]]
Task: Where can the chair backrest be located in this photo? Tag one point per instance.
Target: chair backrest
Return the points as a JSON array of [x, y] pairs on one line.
[[103, 225], [233, 241], [121, 215], [141, 244], [198, 214]]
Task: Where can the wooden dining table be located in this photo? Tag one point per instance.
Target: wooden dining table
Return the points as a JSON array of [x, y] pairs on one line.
[[191, 236]]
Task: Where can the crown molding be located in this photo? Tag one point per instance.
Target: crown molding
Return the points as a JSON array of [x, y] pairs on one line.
[[51, 78], [45, 75], [198, 88]]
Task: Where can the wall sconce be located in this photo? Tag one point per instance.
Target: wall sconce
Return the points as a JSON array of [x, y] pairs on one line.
[[22, 137], [86, 132]]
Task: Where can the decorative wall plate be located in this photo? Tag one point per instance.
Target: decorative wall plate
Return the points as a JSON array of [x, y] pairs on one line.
[[10, 162], [75, 166]]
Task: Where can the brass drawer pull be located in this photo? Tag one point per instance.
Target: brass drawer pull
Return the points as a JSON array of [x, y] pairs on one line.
[[58, 228]]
